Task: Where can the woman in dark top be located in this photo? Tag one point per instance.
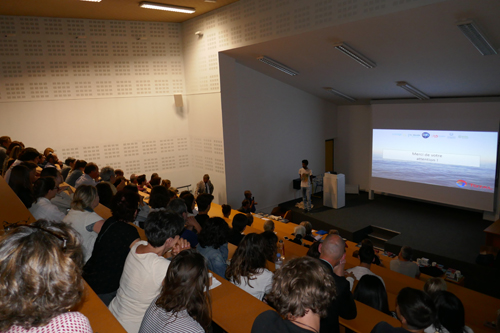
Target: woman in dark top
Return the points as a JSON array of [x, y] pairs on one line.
[[104, 268], [76, 172], [371, 291], [240, 222], [20, 183]]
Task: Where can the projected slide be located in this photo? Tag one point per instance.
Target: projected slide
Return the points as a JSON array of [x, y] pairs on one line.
[[465, 160]]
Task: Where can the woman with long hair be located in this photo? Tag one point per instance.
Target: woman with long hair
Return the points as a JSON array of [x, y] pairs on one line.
[[450, 314], [83, 218], [76, 172], [183, 304], [20, 183], [41, 282], [248, 267], [45, 189], [213, 244], [371, 291]]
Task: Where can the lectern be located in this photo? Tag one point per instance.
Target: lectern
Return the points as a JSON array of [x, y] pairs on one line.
[[334, 190]]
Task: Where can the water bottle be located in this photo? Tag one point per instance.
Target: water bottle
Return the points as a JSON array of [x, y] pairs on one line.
[[278, 263]]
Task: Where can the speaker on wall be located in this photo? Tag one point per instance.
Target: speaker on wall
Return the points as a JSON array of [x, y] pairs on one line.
[[178, 100]]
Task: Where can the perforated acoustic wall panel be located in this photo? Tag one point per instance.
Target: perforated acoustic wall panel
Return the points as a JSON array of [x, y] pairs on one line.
[[51, 59]]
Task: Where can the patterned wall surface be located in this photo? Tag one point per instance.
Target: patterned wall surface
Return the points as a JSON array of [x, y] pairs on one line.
[[50, 59]]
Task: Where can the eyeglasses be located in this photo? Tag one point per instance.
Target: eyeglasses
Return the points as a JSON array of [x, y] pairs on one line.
[[9, 226]]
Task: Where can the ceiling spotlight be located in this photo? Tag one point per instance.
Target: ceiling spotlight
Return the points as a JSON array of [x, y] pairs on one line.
[[338, 93], [170, 8], [278, 65], [470, 29], [349, 51], [199, 33], [412, 90]]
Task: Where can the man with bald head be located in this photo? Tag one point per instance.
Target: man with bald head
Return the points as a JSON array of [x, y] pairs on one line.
[[332, 256]]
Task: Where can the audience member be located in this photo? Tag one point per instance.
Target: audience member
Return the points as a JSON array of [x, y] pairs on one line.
[[226, 212], [27, 155], [43, 191], [5, 142], [159, 198], [108, 176], [166, 183], [203, 201], [414, 309], [213, 244], [104, 268], [33, 170], [52, 161], [41, 267], [299, 232], [371, 291], [332, 256], [105, 194], [248, 267], [269, 225], [301, 293], [251, 199], [434, 285], [190, 201], [403, 263], [450, 314], [250, 219], [15, 149], [191, 226], [155, 181], [133, 179], [183, 304], [90, 175], [142, 183], [333, 232], [83, 218], [308, 236], [204, 186], [270, 245], [69, 163], [313, 251], [366, 255], [240, 222], [20, 183], [376, 259], [62, 199], [145, 268], [76, 172], [245, 207]]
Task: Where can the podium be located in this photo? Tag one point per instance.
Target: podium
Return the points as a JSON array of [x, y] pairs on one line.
[[334, 190]]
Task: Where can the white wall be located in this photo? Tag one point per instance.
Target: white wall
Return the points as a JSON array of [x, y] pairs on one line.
[[269, 127]]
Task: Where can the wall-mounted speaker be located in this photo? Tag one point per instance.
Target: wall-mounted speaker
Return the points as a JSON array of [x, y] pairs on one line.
[[178, 100]]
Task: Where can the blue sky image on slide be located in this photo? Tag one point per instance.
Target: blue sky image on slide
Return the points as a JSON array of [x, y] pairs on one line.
[[446, 158]]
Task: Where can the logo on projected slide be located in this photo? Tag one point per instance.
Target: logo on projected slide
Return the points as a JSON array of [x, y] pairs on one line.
[[461, 183], [425, 135]]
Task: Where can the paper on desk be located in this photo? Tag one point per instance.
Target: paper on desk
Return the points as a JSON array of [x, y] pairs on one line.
[[215, 283]]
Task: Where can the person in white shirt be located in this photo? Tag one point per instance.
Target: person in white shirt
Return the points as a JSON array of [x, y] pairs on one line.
[[366, 255], [90, 174], [44, 190], [305, 185], [248, 267], [450, 314], [145, 268], [83, 218], [404, 265], [27, 155]]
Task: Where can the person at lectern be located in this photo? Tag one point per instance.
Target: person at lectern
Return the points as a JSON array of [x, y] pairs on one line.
[[205, 186], [305, 185]]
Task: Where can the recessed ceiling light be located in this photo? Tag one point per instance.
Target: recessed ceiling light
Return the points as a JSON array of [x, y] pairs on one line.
[[352, 53], [412, 90], [279, 66], [470, 29], [340, 94], [170, 8]]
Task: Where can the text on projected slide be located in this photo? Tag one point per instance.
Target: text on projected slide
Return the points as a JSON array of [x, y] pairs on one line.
[[428, 157]]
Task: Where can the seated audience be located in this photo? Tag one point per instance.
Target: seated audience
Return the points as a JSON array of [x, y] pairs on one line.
[[450, 314], [104, 268], [64, 194], [434, 285], [83, 218], [108, 176], [240, 222], [142, 183], [105, 194], [213, 244], [183, 305], [90, 175], [250, 219], [269, 225], [308, 236], [159, 198], [299, 232], [145, 269], [133, 179], [376, 259], [44, 190], [333, 232], [270, 245], [67, 167], [226, 212], [167, 184], [20, 183], [404, 265], [5, 142], [76, 172], [366, 255], [203, 201], [33, 171], [371, 291], [27, 155], [13, 152], [251, 199], [191, 226], [332, 256], [245, 207], [41, 267], [313, 251], [155, 181], [190, 201], [301, 293], [248, 267], [414, 309], [52, 161]]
